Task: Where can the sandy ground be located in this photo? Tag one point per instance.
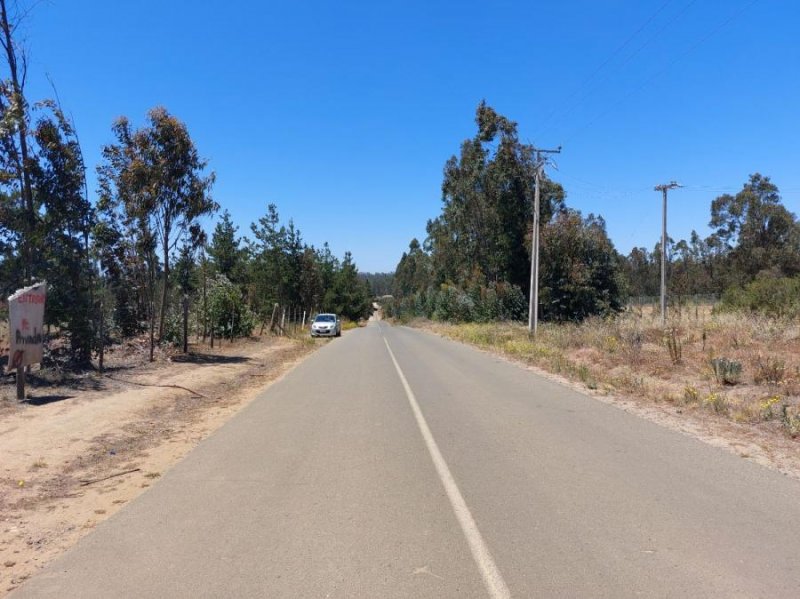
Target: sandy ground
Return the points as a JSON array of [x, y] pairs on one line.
[[71, 457]]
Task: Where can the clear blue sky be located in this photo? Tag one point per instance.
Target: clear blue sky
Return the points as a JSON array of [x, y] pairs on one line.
[[343, 113]]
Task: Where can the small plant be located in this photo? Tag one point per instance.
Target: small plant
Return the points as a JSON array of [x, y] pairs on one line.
[[766, 406], [584, 373], [718, 402], [610, 344], [791, 421], [769, 370], [633, 345], [690, 394], [40, 463], [674, 346], [727, 372]]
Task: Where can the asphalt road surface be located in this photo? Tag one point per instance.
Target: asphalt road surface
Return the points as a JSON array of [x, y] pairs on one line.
[[393, 463]]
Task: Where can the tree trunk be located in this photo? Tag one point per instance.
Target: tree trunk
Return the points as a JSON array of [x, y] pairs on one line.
[[102, 340], [165, 290], [185, 323], [151, 303], [205, 309], [25, 180]]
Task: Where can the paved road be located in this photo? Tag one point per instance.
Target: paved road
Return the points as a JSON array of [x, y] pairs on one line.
[[393, 463]]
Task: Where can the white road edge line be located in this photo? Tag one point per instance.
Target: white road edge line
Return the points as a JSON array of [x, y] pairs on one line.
[[492, 578]]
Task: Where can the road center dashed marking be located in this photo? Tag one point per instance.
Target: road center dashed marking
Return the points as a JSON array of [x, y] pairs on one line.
[[492, 578]]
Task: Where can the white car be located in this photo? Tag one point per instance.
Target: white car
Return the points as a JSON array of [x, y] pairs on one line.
[[326, 325]]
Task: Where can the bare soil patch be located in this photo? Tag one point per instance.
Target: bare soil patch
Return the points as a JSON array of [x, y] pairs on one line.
[[85, 444]]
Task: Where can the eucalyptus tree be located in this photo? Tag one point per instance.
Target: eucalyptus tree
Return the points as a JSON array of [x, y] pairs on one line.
[[65, 221], [17, 158], [157, 177], [483, 232], [757, 230]]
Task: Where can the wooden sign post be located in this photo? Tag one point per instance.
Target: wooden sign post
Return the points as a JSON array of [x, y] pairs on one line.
[[26, 332]]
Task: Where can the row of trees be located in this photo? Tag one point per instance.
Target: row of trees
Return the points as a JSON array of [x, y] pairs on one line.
[[475, 262], [754, 237], [131, 260]]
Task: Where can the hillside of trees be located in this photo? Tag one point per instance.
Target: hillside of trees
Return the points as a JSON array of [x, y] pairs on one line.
[[127, 260], [474, 264]]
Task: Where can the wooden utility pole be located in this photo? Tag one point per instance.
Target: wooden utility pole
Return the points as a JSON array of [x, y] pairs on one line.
[[185, 323], [533, 301], [664, 188]]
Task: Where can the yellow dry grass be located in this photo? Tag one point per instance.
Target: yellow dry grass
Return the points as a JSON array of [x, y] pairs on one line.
[[633, 355]]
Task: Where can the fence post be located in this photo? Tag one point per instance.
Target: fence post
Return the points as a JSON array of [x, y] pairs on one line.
[[20, 383]]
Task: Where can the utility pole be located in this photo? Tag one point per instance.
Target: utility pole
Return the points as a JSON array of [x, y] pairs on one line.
[[664, 188], [533, 302]]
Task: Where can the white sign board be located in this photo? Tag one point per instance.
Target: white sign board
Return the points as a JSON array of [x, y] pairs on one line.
[[25, 319]]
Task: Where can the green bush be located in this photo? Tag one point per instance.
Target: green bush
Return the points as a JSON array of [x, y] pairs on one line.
[[228, 313], [776, 297], [727, 372]]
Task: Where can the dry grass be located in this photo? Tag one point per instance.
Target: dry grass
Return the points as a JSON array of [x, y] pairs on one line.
[[742, 367]]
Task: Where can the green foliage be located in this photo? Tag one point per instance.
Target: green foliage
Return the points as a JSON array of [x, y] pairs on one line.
[[496, 301], [487, 192], [580, 269], [65, 223], [108, 263], [791, 420], [229, 316], [380, 283], [476, 259], [153, 177], [727, 372], [225, 250], [349, 296], [777, 297], [757, 230]]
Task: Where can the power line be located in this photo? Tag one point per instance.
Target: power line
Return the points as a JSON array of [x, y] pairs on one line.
[[630, 57], [640, 48], [658, 74], [594, 73]]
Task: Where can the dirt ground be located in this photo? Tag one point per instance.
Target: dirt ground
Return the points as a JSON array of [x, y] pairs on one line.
[[82, 446]]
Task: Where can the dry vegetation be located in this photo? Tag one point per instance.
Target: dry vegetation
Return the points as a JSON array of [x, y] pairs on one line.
[[742, 368]]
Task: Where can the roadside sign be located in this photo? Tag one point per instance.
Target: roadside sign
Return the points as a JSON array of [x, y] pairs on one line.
[[25, 326]]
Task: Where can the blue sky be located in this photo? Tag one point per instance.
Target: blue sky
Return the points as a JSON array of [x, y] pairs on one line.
[[343, 114]]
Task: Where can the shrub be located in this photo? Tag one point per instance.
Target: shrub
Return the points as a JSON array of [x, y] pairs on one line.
[[777, 297], [228, 313], [717, 402], [770, 370], [791, 420], [728, 372]]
